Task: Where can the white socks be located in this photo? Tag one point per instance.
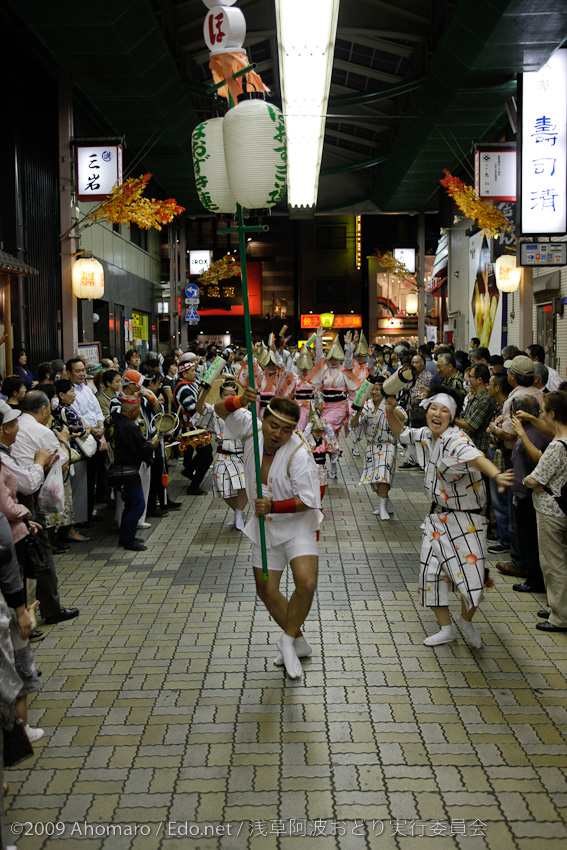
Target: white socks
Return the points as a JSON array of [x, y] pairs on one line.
[[389, 505], [290, 659], [356, 451], [232, 522], [333, 473], [239, 519], [382, 509], [447, 634], [302, 650], [470, 633]]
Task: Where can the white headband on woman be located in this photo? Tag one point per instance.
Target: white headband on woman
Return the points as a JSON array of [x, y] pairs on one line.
[[444, 399]]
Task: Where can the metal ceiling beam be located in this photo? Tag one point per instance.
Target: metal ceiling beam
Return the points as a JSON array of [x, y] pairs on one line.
[[351, 33], [337, 134], [364, 71], [338, 101], [378, 44]]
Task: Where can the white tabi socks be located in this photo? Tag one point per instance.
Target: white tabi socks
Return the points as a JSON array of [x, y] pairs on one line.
[[389, 505], [239, 519], [302, 650], [470, 633], [447, 634], [333, 472], [382, 511], [290, 659]]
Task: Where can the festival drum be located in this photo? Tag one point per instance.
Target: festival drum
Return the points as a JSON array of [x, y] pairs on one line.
[[194, 439]]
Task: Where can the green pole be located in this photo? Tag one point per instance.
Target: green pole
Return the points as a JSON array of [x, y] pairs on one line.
[[248, 330]]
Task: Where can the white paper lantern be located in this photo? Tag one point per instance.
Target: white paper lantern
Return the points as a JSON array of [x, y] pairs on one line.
[[210, 169], [507, 274], [88, 278], [412, 303], [224, 29], [255, 153]]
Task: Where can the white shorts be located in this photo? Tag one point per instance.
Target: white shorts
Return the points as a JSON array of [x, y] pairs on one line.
[[279, 556]]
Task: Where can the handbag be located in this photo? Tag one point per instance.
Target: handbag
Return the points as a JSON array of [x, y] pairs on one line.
[[74, 454], [17, 746], [87, 446], [37, 562]]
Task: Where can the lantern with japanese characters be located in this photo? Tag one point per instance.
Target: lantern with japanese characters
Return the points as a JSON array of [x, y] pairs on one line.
[[224, 28], [210, 170], [255, 153], [88, 278]]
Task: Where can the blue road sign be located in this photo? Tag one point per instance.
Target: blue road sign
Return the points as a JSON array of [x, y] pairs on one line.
[[191, 315], [192, 290]]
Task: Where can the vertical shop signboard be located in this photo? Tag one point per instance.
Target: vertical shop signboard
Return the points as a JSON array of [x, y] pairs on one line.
[[99, 169], [543, 148]]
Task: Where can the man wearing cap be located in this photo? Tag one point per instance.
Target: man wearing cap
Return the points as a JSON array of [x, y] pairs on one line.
[[290, 504], [196, 461], [88, 408], [130, 452]]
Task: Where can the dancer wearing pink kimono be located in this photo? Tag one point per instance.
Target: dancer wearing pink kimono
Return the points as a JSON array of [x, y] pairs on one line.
[[300, 387], [335, 382]]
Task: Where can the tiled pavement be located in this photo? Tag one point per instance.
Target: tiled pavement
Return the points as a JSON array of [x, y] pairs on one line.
[[163, 711]]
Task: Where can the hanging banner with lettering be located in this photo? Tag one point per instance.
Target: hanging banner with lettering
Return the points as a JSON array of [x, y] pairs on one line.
[[99, 169], [543, 148]]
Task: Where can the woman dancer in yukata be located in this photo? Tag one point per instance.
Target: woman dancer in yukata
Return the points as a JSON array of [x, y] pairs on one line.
[[358, 349], [454, 533], [269, 375], [321, 439], [300, 387], [335, 382], [380, 461], [228, 469]]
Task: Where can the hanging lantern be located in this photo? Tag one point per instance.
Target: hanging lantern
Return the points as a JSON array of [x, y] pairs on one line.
[[88, 278], [209, 165], [327, 319], [507, 274], [412, 303], [255, 153]]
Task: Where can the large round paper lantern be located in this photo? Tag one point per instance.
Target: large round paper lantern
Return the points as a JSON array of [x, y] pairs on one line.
[[412, 303], [255, 153], [507, 274], [327, 319], [88, 278], [207, 146]]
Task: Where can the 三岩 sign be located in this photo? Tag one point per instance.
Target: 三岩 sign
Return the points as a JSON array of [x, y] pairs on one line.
[[99, 169], [543, 148]]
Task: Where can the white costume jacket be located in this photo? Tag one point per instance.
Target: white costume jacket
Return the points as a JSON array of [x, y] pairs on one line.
[[293, 473]]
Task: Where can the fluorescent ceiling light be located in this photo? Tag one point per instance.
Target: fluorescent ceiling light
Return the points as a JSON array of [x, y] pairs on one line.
[[306, 45]]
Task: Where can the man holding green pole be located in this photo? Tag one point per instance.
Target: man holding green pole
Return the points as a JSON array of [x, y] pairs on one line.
[[290, 505]]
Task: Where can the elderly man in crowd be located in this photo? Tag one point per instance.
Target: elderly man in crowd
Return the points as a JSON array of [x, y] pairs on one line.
[[450, 376], [537, 354], [88, 408], [30, 438], [521, 372]]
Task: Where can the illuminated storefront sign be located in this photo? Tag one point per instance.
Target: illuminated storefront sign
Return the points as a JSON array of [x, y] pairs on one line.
[[350, 320], [495, 174], [199, 261], [99, 168], [544, 148], [407, 257], [397, 323]]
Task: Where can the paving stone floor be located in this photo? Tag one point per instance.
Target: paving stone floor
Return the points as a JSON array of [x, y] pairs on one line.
[[164, 713]]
